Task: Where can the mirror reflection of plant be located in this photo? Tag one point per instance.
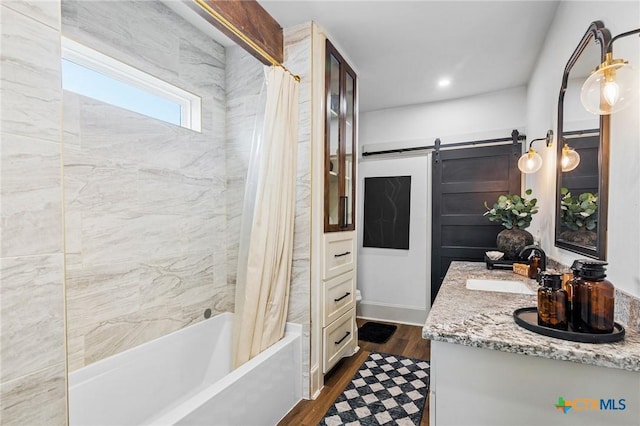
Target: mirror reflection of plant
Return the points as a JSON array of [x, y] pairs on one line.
[[513, 211], [579, 212]]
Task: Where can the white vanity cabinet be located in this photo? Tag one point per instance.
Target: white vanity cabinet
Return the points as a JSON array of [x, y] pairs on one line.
[[479, 386], [487, 370]]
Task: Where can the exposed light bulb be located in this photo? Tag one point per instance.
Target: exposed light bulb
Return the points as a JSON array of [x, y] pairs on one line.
[[530, 162], [611, 92], [570, 158], [612, 87]]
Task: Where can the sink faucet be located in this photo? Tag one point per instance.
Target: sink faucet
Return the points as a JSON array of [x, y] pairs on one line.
[[529, 250]]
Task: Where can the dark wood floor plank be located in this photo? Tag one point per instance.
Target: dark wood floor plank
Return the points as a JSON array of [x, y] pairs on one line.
[[406, 341]]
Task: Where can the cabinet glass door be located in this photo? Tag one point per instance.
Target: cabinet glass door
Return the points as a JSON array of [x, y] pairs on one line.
[[340, 152], [349, 139], [333, 143]]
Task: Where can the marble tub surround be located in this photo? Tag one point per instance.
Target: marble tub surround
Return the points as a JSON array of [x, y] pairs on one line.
[[244, 77], [31, 205], [153, 210], [485, 320], [298, 59], [30, 67], [32, 336], [145, 211], [297, 53]]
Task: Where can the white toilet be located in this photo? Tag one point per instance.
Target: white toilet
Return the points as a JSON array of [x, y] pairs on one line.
[[358, 299]]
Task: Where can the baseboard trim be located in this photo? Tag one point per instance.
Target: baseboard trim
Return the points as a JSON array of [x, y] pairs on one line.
[[317, 382], [391, 313]]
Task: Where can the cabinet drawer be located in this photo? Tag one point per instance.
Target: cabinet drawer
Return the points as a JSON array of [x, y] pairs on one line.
[[339, 253], [339, 297], [338, 339]]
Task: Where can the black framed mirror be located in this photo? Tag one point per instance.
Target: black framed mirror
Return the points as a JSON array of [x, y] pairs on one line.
[[582, 192]]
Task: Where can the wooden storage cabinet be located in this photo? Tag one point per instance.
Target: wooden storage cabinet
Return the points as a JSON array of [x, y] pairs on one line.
[[340, 143], [338, 292]]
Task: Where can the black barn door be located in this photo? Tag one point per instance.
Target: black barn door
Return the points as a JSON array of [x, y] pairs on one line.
[[463, 179]]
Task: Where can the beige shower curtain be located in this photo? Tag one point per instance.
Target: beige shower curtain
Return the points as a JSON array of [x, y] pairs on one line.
[[262, 290]]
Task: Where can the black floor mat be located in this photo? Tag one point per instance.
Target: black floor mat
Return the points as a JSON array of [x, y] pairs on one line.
[[376, 332]]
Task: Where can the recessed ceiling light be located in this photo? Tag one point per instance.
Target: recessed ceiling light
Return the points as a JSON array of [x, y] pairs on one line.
[[444, 82]]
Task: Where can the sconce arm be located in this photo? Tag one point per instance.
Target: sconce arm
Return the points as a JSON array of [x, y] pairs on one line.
[[621, 35], [548, 138]]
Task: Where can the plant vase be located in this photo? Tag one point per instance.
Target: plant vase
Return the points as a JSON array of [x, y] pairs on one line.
[[512, 241]]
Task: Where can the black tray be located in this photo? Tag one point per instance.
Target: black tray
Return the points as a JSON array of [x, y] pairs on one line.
[[528, 318], [501, 263]]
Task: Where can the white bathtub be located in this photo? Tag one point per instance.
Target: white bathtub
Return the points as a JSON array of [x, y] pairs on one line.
[[184, 378]]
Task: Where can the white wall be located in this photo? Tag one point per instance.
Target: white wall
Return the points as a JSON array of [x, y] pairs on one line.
[[483, 116], [570, 24], [396, 284]]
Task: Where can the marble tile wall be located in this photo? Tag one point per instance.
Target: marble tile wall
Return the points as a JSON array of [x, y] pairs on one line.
[[145, 210], [32, 340], [151, 212], [298, 53], [245, 103], [244, 81]]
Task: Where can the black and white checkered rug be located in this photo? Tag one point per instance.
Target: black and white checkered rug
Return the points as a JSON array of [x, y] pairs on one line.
[[387, 390]]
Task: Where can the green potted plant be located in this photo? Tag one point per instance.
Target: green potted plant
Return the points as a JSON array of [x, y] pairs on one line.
[[579, 217], [514, 212]]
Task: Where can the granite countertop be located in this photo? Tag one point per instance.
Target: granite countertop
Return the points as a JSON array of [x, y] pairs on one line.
[[485, 320]]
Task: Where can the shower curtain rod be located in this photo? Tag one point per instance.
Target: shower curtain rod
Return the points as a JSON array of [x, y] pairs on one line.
[[252, 44], [515, 138]]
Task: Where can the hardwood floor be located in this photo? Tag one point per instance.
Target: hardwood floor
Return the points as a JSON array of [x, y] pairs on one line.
[[406, 341]]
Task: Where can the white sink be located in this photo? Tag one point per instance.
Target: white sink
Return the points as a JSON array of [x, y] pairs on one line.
[[502, 286]]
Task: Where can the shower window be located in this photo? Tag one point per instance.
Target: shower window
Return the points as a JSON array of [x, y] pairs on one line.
[[95, 75]]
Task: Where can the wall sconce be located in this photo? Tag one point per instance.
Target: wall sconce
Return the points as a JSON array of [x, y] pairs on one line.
[[612, 86], [570, 158], [530, 162]]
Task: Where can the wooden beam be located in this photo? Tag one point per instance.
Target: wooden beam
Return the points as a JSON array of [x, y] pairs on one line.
[[246, 23]]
